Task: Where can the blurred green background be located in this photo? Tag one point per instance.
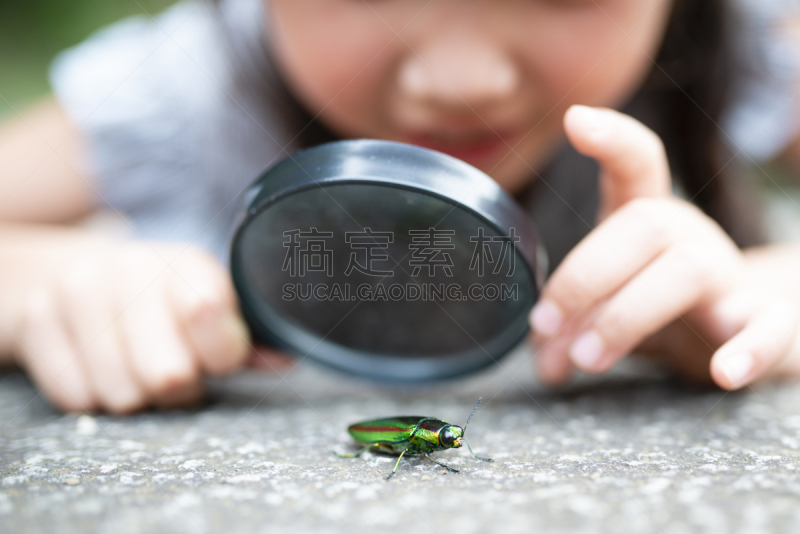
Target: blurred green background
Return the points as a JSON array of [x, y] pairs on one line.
[[32, 32]]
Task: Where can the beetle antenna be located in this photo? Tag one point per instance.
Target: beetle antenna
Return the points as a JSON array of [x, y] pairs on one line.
[[470, 415]]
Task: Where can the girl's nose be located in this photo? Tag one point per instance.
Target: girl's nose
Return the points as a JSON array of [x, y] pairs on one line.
[[459, 71]]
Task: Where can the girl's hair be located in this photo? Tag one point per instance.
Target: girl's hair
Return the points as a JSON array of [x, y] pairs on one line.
[[683, 100]]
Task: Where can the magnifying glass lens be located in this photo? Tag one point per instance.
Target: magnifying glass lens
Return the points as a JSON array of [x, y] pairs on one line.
[[385, 260]]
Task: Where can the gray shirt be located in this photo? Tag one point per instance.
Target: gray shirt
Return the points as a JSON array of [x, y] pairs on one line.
[[174, 137]]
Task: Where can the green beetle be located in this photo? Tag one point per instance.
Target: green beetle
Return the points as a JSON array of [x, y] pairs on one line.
[[410, 434]]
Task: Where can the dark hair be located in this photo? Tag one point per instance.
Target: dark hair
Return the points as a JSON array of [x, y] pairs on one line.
[[683, 100]]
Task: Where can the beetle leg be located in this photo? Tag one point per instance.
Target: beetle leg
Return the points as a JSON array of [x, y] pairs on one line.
[[395, 466], [439, 463], [352, 455], [473, 454]]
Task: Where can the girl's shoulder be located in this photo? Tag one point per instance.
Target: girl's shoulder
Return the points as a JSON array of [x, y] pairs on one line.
[[168, 62]]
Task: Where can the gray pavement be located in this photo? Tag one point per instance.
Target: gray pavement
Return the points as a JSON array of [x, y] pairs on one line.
[[629, 452]]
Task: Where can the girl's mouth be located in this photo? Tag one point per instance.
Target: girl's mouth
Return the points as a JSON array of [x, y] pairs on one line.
[[479, 152]]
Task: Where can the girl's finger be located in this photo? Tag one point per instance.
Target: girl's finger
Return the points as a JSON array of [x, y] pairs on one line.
[[269, 359], [160, 358], [664, 290], [552, 357], [631, 156], [759, 347], [552, 367], [91, 321], [50, 358], [203, 299], [606, 259]]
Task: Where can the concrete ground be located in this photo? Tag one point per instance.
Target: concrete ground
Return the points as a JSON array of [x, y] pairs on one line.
[[630, 452]]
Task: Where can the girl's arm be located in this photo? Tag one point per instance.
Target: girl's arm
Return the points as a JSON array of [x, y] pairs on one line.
[[42, 178], [99, 323], [40, 182]]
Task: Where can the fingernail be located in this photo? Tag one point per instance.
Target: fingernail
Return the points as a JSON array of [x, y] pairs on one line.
[[592, 120], [736, 367], [587, 350], [546, 318]]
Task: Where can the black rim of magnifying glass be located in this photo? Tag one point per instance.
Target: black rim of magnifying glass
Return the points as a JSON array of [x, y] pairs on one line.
[[396, 165]]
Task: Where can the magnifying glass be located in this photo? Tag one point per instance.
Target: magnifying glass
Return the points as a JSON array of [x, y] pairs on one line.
[[385, 260]]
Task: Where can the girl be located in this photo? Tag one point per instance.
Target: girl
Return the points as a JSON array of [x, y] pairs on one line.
[[166, 120]]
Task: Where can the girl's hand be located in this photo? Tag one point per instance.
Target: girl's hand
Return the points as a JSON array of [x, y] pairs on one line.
[[131, 325], [657, 274]]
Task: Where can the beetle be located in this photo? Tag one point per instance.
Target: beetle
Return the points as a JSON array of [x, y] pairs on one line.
[[410, 434]]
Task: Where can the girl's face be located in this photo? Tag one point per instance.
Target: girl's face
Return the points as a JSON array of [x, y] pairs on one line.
[[487, 81]]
